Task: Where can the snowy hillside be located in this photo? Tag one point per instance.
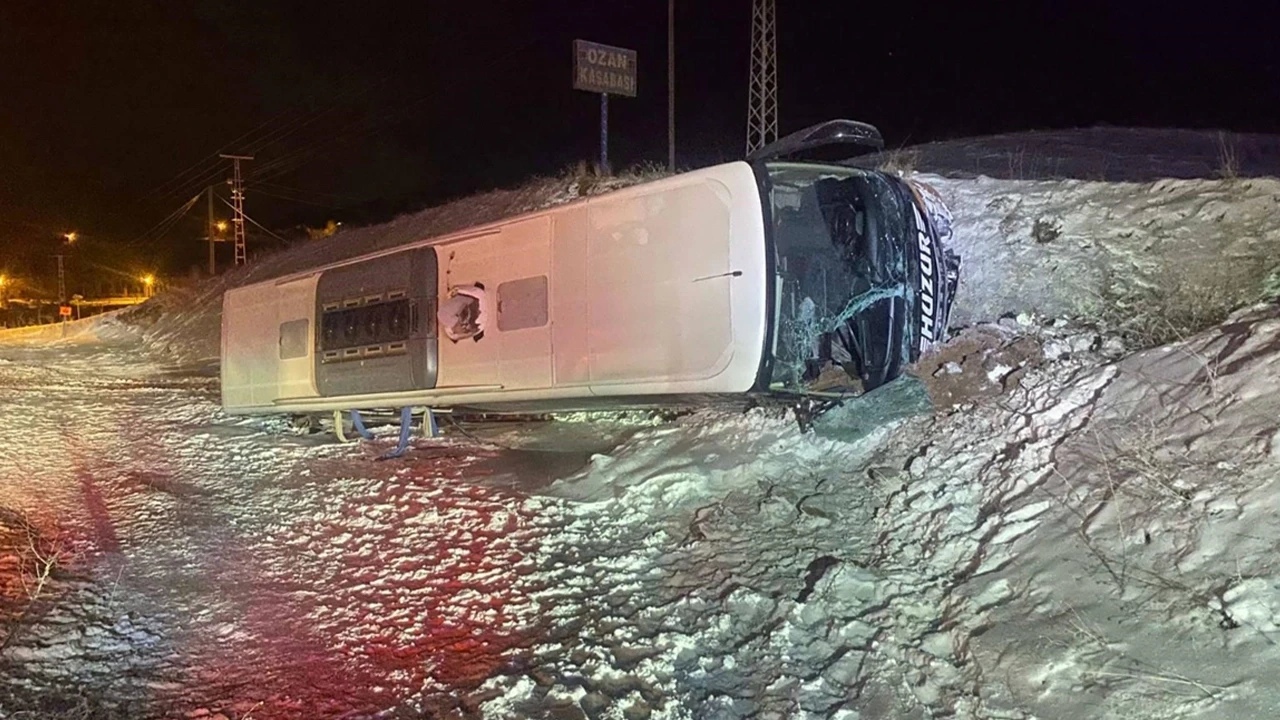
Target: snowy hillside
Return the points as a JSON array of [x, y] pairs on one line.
[[1071, 529], [1110, 154], [1150, 260], [1095, 542]]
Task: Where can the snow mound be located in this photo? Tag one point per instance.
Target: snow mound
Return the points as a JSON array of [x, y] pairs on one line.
[[1096, 544], [1093, 542], [663, 469], [1150, 587], [87, 330]]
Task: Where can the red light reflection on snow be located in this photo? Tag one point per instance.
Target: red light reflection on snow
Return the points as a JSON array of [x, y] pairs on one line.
[[407, 589]]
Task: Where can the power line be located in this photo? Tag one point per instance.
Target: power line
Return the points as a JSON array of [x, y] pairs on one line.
[[279, 134], [167, 222], [213, 155], [203, 177], [185, 209], [268, 193], [213, 176], [290, 127], [265, 230], [306, 152], [255, 222], [335, 102], [318, 193], [201, 174], [268, 139]]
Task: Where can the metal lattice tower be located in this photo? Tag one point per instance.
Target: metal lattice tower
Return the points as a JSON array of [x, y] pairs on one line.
[[237, 204], [62, 281], [762, 103]]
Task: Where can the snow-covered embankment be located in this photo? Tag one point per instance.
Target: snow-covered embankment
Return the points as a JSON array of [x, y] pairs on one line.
[[1090, 539]]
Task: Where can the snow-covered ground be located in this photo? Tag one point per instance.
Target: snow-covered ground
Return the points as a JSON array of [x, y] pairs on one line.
[[1076, 530], [1112, 154], [1148, 260]]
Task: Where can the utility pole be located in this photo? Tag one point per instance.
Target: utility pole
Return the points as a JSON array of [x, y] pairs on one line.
[[237, 202], [62, 281], [671, 85], [209, 229], [762, 103], [62, 295]]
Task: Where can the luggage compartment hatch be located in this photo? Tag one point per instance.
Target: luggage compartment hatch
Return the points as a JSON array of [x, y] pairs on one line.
[[376, 329]]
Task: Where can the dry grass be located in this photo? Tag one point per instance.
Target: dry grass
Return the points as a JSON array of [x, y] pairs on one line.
[[1114, 663], [900, 161], [1147, 316], [1228, 158], [1016, 161], [32, 558]]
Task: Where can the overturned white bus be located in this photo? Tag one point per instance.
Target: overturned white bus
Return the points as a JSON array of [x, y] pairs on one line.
[[748, 277]]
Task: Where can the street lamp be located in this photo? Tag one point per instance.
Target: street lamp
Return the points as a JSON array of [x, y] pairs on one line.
[[147, 282], [221, 225], [70, 237]]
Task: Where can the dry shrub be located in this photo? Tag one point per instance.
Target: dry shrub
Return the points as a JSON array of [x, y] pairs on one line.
[[1228, 158], [30, 560], [1146, 316], [901, 162]]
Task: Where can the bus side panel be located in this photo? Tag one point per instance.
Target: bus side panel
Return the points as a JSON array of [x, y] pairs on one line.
[[250, 354], [470, 361], [296, 310], [569, 310], [522, 298], [514, 266], [660, 285]]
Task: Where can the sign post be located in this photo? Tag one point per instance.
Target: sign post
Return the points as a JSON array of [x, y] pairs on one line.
[[604, 132], [606, 70]]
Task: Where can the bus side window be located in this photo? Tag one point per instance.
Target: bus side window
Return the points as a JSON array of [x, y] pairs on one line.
[[293, 339], [523, 304]]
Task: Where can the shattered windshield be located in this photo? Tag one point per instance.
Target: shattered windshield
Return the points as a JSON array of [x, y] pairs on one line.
[[842, 270]]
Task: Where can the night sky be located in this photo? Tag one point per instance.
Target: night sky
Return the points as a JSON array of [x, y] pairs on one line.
[[360, 110]]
